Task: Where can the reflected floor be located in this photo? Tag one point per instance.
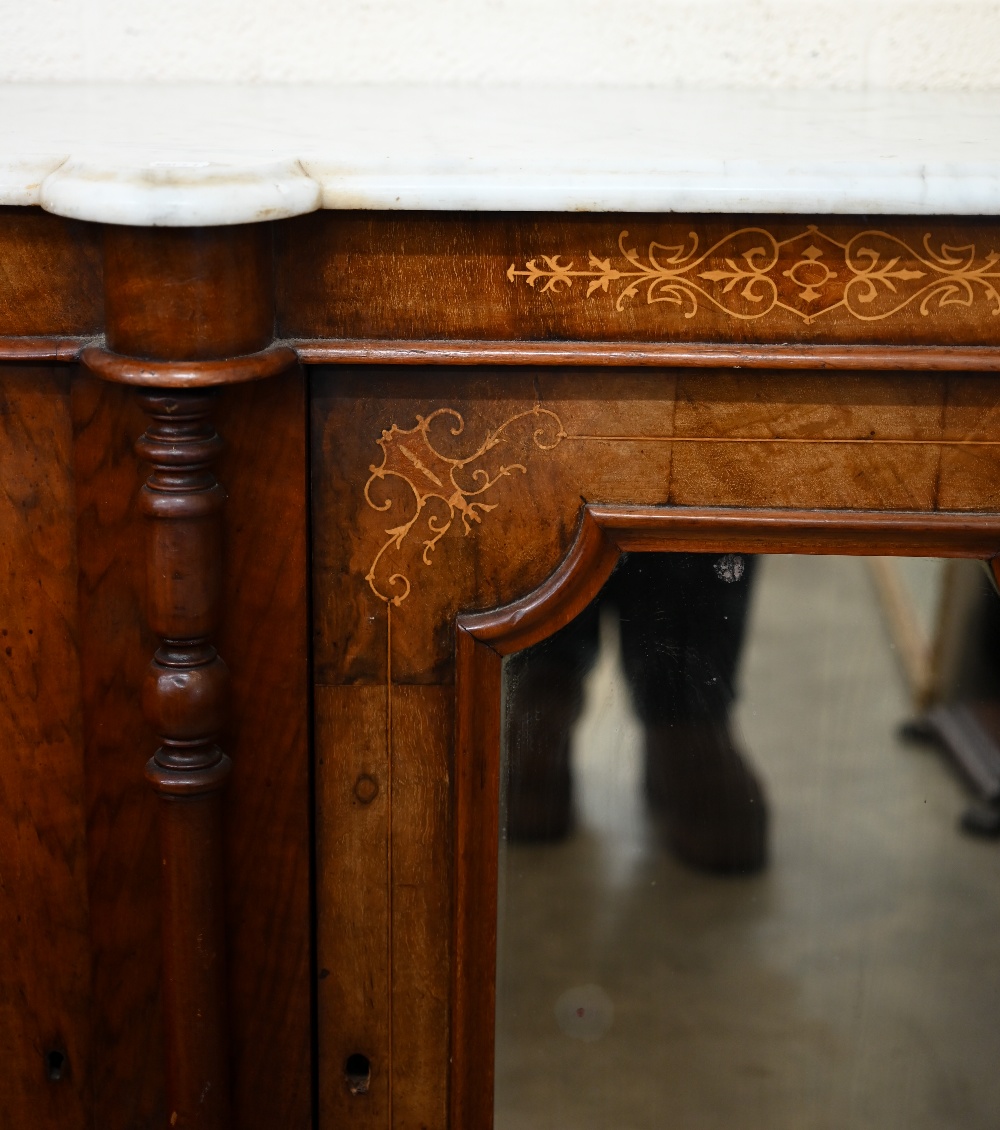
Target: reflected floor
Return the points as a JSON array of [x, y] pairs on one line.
[[855, 984]]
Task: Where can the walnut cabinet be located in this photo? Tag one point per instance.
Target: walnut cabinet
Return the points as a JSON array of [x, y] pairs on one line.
[[279, 497]]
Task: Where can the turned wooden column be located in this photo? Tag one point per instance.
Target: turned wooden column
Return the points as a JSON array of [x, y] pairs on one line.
[[185, 700], [188, 310]]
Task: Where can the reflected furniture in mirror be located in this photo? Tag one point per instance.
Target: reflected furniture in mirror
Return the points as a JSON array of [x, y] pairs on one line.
[[761, 908], [255, 705]]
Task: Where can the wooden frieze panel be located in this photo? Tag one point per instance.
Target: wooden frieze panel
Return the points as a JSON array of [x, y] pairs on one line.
[[604, 277]]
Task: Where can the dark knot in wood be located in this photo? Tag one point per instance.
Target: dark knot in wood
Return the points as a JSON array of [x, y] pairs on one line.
[[366, 788]]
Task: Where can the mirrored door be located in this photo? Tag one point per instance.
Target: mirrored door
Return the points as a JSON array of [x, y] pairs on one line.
[[732, 889]]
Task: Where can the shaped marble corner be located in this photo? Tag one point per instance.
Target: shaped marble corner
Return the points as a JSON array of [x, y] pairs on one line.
[[153, 191]]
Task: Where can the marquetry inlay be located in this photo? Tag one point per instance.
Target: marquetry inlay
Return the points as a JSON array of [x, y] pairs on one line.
[[441, 488], [749, 273]]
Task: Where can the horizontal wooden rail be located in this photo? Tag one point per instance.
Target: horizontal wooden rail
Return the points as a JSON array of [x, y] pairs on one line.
[[707, 355], [639, 354]]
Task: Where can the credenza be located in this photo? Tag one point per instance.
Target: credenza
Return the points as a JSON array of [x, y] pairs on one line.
[[316, 404]]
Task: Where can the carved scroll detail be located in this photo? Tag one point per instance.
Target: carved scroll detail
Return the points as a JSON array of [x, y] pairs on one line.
[[440, 493], [749, 273]]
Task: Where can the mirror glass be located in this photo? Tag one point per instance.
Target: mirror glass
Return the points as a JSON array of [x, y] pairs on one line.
[[748, 876]]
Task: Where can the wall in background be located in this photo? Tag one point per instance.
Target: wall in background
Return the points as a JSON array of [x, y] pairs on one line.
[[770, 43]]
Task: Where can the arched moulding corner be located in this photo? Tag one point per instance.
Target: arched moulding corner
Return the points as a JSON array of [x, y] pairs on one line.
[[605, 532], [563, 595], [187, 374]]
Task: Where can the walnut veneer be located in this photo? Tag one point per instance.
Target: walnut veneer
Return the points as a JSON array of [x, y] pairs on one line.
[[251, 709]]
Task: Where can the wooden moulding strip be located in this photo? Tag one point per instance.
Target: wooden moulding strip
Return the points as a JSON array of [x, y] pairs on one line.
[[860, 532], [42, 349], [947, 358], [483, 638], [321, 351]]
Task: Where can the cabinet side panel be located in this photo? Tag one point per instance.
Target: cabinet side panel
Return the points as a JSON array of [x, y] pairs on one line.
[[44, 949], [122, 842]]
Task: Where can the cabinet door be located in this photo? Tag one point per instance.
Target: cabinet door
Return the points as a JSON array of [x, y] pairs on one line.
[[438, 498]]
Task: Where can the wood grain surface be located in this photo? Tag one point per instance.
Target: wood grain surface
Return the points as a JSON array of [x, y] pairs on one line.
[[122, 844], [383, 841], [265, 638], [422, 739], [353, 942], [188, 294], [45, 1051], [50, 275]]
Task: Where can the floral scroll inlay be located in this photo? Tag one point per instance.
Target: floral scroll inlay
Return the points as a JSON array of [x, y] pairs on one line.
[[443, 487], [748, 274]]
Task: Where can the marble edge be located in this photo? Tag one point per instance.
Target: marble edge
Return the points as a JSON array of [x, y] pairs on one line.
[[205, 193], [781, 192], [165, 193]]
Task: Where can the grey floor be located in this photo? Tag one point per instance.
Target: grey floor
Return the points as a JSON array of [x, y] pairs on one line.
[[855, 985]]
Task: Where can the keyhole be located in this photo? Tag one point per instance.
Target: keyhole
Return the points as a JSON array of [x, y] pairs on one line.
[[358, 1073], [55, 1065]]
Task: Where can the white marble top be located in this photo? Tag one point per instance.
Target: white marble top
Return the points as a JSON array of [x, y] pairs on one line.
[[175, 156]]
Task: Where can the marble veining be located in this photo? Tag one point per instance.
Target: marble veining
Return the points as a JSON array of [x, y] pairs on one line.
[[173, 156]]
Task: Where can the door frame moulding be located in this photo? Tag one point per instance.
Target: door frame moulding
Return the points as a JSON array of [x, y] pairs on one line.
[[483, 639]]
